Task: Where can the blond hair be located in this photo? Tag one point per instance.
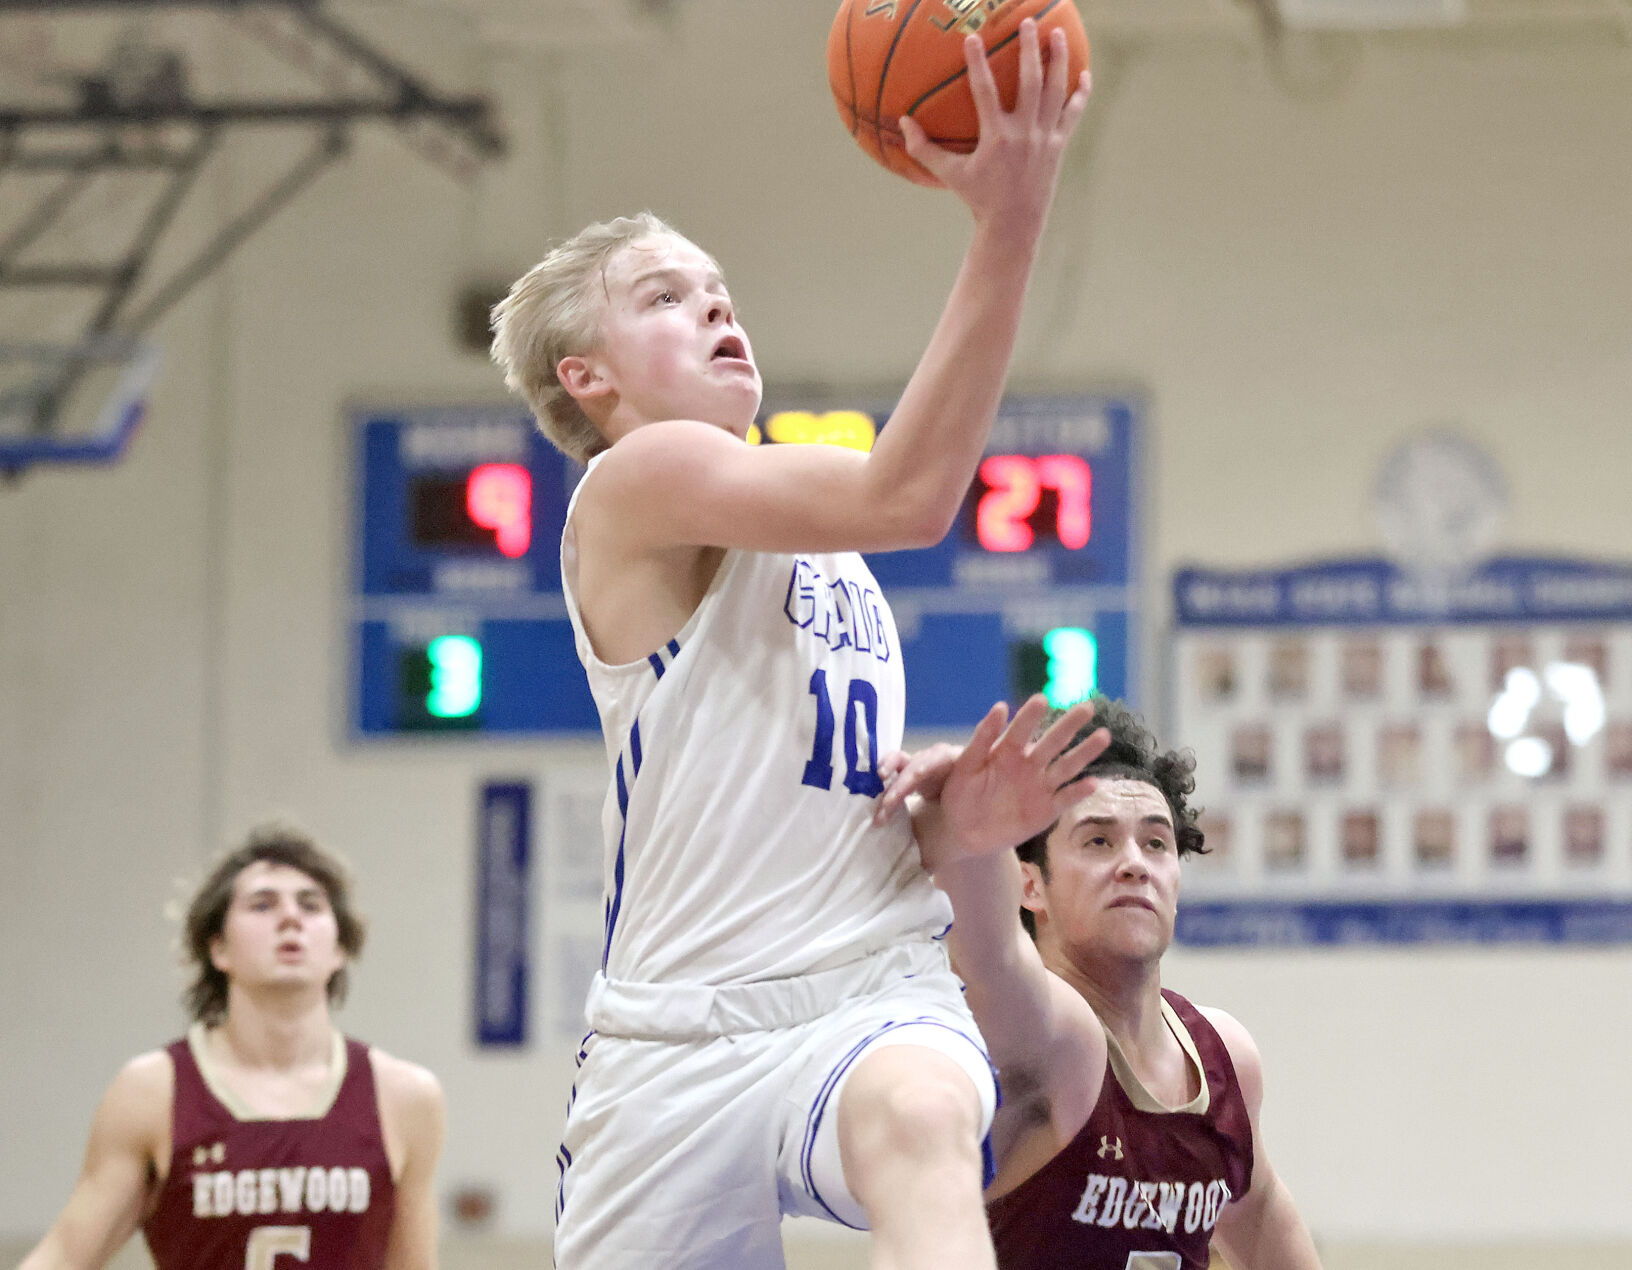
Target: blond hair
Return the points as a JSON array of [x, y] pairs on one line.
[[552, 312]]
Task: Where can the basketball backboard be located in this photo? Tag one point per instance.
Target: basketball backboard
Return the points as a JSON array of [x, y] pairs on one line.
[[72, 403]]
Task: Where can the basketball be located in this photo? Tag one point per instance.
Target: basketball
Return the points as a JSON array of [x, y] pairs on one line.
[[888, 58]]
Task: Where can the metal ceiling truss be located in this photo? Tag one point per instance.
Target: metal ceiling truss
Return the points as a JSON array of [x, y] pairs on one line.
[[159, 127]]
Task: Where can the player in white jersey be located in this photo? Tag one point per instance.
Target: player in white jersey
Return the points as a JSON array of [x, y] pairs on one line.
[[775, 1026], [760, 722]]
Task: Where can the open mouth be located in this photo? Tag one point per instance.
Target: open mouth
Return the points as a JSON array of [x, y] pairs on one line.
[[731, 348]]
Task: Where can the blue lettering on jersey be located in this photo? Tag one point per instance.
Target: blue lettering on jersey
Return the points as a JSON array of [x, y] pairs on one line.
[[842, 613]]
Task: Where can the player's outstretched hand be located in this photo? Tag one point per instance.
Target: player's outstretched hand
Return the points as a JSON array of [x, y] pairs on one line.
[[1010, 175], [922, 773], [1005, 785]]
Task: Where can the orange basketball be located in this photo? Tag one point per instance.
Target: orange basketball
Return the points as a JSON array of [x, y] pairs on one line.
[[888, 58]]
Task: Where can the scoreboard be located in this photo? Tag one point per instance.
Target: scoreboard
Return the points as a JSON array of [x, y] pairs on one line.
[[458, 624]]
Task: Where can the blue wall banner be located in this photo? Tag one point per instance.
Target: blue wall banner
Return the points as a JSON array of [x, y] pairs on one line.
[[503, 934], [1364, 592], [1270, 923]]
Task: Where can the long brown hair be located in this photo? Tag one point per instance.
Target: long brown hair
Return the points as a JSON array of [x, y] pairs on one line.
[[206, 997]]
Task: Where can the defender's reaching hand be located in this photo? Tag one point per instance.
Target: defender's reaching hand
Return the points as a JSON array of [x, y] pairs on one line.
[[1005, 785]]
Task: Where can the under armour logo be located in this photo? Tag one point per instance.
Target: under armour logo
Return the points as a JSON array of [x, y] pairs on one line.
[[209, 1155], [1109, 1149]]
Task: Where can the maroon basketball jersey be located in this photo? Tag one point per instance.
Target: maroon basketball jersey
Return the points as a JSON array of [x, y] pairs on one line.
[[1135, 1189], [311, 1194]]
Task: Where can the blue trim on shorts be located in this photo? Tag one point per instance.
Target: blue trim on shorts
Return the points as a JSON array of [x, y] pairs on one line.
[[988, 1153], [813, 1123], [563, 1157], [563, 1161]]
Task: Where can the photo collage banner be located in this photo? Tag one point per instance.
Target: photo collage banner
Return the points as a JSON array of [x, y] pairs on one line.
[[1384, 758]]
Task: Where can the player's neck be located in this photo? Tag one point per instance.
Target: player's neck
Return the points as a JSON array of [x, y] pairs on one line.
[[278, 1032], [623, 416], [1144, 1047], [1127, 997], [615, 422]]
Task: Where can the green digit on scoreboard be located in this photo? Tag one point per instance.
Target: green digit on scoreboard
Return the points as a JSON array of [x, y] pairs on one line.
[[456, 676], [1062, 664], [1073, 665]]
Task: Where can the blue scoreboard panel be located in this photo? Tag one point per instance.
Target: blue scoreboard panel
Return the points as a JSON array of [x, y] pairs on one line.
[[458, 625]]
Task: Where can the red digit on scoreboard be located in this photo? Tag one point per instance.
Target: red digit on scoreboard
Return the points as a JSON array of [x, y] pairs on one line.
[[1013, 492], [1072, 479], [1015, 484], [499, 496]]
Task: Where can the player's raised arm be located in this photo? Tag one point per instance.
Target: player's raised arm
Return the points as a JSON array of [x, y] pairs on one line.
[[117, 1177], [700, 486], [1008, 183], [1006, 785]]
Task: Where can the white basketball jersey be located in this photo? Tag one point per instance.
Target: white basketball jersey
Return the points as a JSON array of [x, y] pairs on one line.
[[738, 828]]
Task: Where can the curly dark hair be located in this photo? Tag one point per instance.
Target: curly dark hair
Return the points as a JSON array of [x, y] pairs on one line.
[[1133, 754], [206, 997]]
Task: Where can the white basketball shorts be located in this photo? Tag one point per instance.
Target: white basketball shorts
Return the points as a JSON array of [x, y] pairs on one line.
[[700, 1116]]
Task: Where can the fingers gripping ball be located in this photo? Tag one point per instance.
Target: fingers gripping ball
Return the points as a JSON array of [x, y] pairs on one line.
[[888, 58]]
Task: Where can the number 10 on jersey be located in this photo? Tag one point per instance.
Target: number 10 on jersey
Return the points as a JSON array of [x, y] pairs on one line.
[[860, 729]]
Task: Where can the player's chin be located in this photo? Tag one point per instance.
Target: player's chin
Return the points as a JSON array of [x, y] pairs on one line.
[[1137, 933], [741, 379], [740, 408]]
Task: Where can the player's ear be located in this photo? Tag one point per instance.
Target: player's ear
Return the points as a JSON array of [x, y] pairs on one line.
[[217, 948], [1031, 888], [582, 378]]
